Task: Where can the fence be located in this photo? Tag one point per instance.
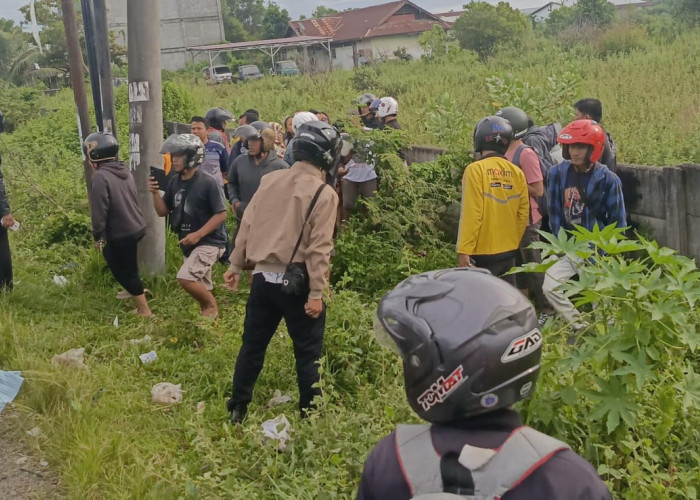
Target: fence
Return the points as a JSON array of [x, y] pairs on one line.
[[664, 201]]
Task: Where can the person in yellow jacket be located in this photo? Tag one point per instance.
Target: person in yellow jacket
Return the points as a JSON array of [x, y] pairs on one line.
[[495, 204]]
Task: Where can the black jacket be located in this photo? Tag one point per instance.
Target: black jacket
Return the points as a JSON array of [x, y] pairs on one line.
[[563, 477], [4, 204], [114, 205]]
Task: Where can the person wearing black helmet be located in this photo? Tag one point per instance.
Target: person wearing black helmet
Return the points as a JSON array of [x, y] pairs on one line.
[[6, 222], [471, 348], [366, 116], [495, 206], [217, 118], [117, 220], [197, 207], [247, 170], [286, 234]]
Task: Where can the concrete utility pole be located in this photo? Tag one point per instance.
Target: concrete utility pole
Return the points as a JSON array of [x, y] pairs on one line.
[[104, 66], [77, 77], [146, 121]]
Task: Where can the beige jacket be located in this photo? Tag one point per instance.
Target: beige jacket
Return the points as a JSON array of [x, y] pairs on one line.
[[273, 220]]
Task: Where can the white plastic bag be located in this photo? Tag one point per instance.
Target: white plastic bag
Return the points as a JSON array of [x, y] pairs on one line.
[[278, 429], [165, 393], [278, 399], [72, 358]]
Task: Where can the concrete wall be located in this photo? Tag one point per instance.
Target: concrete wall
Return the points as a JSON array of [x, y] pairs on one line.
[[183, 24], [384, 47]]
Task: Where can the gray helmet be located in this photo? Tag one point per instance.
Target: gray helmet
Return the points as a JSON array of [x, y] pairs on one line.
[[185, 144], [492, 133], [518, 120], [217, 117], [257, 130], [469, 341], [365, 99]]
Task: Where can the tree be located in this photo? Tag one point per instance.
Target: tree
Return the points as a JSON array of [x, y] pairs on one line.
[[249, 13], [323, 11], [594, 13], [687, 10], [483, 27], [12, 40], [234, 31], [275, 21], [434, 42]]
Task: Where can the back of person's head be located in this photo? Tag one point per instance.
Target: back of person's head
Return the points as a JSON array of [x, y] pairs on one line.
[[517, 118], [318, 143], [302, 117], [593, 108], [250, 116], [469, 342], [99, 147], [200, 119], [217, 117], [493, 133]]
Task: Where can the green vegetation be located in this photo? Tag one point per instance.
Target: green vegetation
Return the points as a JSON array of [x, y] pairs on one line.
[[626, 397]]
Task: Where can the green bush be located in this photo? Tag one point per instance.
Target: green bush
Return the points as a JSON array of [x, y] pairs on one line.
[[621, 39]]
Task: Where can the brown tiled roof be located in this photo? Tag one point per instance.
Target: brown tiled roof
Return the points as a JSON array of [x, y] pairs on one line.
[[368, 22]]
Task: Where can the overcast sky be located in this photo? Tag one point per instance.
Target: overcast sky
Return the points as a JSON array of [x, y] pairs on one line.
[[9, 8]]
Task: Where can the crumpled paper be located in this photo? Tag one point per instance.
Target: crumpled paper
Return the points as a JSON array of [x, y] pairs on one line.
[[73, 358], [278, 399], [278, 429], [59, 280], [165, 393]]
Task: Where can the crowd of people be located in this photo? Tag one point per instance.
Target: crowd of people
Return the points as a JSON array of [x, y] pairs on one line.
[[470, 342]]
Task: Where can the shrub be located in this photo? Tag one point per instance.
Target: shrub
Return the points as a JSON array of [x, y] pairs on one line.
[[621, 39]]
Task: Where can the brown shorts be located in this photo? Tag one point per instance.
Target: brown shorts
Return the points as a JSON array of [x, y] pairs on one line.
[[351, 190], [197, 266]]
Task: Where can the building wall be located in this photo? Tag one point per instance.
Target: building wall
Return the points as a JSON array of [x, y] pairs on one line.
[[383, 47], [343, 57], [183, 24]]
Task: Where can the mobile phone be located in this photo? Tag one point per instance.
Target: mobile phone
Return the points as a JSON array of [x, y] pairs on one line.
[[159, 175]]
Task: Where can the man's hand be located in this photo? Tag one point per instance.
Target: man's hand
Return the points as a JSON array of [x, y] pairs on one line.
[[232, 279], [153, 185], [191, 239], [314, 307], [7, 221], [465, 260], [235, 205], [99, 245]]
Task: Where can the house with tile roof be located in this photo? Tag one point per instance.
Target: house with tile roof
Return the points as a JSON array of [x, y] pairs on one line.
[[360, 36]]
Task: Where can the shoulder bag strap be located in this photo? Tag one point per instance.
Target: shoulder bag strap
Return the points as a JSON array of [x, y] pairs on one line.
[[308, 214]]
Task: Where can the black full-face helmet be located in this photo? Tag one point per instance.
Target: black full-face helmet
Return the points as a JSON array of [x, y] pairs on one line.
[[469, 341], [492, 133], [217, 117], [319, 143], [188, 145], [518, 120], [100, 147]]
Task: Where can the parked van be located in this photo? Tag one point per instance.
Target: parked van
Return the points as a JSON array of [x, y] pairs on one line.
[[249, 72], [218, 73], [286, 68]]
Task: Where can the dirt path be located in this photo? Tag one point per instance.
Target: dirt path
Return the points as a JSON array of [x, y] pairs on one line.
[[23, 474]]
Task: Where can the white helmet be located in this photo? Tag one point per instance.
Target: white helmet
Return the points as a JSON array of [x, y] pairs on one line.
[[302, 117], [387, 106]]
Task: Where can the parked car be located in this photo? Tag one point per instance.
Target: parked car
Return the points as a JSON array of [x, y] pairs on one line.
[[248, 72], [218, 73], [286, 68]]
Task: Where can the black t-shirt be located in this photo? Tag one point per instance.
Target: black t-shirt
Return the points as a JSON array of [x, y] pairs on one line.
[[203, 198], [575, 197]]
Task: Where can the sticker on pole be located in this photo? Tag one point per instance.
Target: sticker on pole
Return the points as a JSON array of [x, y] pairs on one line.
[[139, 92], [522, 346]]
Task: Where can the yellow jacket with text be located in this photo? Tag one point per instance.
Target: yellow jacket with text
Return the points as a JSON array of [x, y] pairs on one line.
[[495, 207]]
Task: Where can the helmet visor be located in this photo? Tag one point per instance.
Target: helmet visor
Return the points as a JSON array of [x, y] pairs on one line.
[[383, 336]]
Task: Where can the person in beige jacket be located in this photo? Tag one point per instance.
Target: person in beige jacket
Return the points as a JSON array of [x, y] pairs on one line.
[[288, 203]]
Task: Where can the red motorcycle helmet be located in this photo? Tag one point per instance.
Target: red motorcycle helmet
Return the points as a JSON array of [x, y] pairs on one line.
[[583, 132]]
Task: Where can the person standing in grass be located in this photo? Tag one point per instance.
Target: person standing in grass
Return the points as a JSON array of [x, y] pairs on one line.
[[581, 192], [592, 109], [287, 235], [495, 206], [117, 220], [197, 208], [471, 348], [6, 221]]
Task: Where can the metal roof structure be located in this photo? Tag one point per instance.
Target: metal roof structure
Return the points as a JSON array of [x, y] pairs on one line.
[[270, 47]]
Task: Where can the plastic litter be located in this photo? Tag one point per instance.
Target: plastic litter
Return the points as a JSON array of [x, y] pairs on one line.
[[278, 429], [144, 340], [278, 399], [148, 357], [60, 280], [34, 432], [73, 358], [165, 393], [200, 407], [10, 382], [116, 321]]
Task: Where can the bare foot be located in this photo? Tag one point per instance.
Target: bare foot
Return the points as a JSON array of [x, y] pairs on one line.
[[211, 313]]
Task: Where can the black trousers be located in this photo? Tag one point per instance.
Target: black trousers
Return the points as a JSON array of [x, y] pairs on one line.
[[5, 261], [498, 264], [267, 305], [121, 257]]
